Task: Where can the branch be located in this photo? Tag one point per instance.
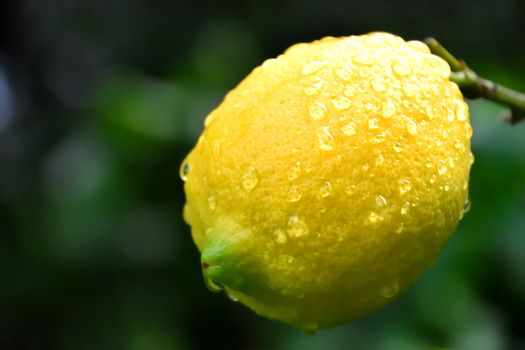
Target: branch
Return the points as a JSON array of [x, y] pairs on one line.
[[474, 86]]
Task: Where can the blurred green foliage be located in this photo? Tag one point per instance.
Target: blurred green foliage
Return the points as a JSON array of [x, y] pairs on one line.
[[101, 100]]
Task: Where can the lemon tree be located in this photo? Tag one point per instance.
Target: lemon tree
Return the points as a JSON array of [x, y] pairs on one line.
[[330, 178]]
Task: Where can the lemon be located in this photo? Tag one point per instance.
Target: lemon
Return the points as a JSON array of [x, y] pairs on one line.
[[330, 178]]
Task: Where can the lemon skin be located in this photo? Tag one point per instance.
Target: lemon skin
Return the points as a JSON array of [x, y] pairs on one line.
[[330, 178]]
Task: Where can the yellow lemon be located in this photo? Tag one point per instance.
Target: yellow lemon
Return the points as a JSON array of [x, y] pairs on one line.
[[330, 178]]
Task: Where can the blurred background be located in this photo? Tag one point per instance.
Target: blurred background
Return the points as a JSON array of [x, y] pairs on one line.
[[101, 100]]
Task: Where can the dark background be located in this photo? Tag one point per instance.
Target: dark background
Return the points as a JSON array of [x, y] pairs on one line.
[[101, 100]]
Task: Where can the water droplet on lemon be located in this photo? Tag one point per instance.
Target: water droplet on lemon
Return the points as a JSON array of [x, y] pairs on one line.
[[312, 67], [296, 226], [183, 171], [348, 129], [373, 123], [325, 190], [373, 218], [401, 68], [389, 109], [378, 85], [326, 140], [250, 179], [390, 290], [461, 110], [380, 201], [404, 186], [397, 147], [344, 72], [442, 168], [294, 194], [280, 235], [295, 171], [381, 137], [364, 58], [212, 202], [341, 102], [404, 208], [412, 127], [317, 110]]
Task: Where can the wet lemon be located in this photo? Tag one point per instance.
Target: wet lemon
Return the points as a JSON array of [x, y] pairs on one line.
[[330, 178]]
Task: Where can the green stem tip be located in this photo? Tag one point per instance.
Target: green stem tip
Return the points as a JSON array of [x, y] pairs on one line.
[[473, 86]]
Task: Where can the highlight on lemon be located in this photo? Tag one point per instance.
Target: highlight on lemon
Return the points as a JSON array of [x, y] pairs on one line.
[[330, 178]]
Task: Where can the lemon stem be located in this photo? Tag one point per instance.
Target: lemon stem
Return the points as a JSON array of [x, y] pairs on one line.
[[473, 86]]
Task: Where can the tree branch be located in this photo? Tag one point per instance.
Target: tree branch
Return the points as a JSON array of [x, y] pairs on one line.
[[473, 86]]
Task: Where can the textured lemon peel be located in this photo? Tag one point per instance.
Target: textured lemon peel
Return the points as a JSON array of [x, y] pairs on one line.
[[337, 171]]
